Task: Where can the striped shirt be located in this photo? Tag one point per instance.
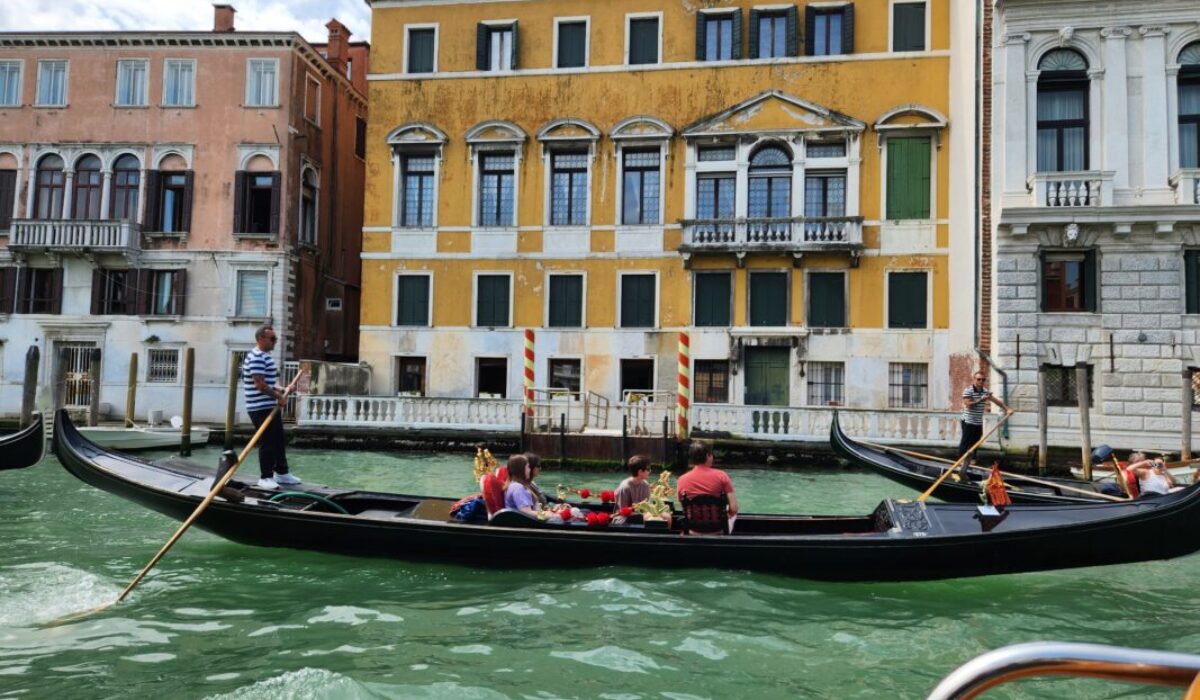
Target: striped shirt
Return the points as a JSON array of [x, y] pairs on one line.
[[258, 362], [976, 402]]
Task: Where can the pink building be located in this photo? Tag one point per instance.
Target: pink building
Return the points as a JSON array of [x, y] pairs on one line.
[[166, 190]]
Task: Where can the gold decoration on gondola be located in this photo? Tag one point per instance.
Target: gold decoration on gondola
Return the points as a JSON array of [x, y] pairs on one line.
[[484, 462], [656, 507]]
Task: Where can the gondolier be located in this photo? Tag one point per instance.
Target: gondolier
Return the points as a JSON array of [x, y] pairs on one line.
[[260, 385], [975, 398]]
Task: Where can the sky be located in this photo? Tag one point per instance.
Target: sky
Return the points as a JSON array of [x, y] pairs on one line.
[[308, 17]]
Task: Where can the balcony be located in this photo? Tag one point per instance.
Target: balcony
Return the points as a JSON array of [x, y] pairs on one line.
[[75, 236], [1187, 186], [796, 235], [1087, 188]]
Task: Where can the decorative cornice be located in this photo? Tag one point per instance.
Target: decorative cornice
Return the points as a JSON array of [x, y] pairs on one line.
[[108, 40]]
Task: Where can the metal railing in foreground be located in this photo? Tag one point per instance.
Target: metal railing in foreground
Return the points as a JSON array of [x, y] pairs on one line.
[[1070, 659]]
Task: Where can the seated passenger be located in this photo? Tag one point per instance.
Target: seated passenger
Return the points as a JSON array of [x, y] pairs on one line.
[[535, 462], [1153, 477], [705, 480], [520, 494], [635, 488]]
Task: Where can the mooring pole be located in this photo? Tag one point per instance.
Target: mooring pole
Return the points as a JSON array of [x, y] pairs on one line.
[[29, 391], [1189, 398], [1085, 423], [562, 440], [60, 378], [1043, 419], [94, 386], [231, 400], [131, 392], [189, 375]]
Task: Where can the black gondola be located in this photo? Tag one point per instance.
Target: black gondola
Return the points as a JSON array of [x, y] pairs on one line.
[[23, 448], [920, 474], [897, 541]]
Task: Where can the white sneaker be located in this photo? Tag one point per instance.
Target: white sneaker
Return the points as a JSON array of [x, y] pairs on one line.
[[287, 479], [267, 484]]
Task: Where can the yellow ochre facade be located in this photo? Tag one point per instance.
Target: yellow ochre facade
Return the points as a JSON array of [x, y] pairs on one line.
[[784, 182]]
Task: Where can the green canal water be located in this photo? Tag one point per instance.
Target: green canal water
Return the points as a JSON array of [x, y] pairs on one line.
[[220, 620]]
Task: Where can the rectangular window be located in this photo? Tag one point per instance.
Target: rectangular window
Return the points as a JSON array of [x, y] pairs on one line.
[[410, 376], [360, 137], [768, 298], [132, 77], [491, 377], [1062, 389], [52, 84], [568, 188], [566, 375], [179, 83], [715, 196], [908, 166], [417, 179], [824, 194], [8, 192], [772, 35], [1189, 120], [1062, 126], [117, 290], [643, 41], [566, 301], [825, 37], [637, 377], [421, 52], [39, 290], [10, 83], [412, 300], [717, 154], [496, 188], [312, 99], [173, 202], [713, 299], [1191, 273], [166, 289], [908, 385], [252, 294], [827, 300], [907, 300], [825, 149], [640, 187], [572, 45], [711, 381], [262, 82], [717, 35], [908, 26], [638, 301], [826, 383], [496, 47], [1069, 281], [163, 366], [257, 205], [491, 300]]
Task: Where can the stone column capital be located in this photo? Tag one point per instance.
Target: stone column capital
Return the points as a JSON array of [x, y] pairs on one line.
[[1116, 33]]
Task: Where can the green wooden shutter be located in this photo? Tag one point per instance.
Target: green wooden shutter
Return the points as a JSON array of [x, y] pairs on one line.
[[753, 48], [8, 191], [768, 299], [793, 31], [736, 44], [1089, 281], [701, 36], [712, 299], [827, 300], [512, 63], [566, 301], [482, 54], [907, 299], [908, 178], [810, 29], [491, 300], [637, 301], [908, 26], [413, 304], [1191, 267], [848, 29]]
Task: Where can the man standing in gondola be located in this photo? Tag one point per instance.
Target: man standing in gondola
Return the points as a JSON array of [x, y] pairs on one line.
[[260, 386], [975, 400]]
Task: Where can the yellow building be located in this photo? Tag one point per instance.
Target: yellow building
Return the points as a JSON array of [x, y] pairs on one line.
[[783, 181]]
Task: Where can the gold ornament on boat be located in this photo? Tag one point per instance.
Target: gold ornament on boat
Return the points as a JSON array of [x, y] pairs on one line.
[[484, 462], [656, 507]]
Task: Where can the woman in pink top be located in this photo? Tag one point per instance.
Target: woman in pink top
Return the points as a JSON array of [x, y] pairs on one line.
[[704, 479]]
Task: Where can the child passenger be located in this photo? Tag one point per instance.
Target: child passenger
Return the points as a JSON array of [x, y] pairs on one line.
[[636, 488], [520, 493]]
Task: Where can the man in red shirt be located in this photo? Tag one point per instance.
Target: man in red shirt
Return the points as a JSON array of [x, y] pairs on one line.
[[705, 480]]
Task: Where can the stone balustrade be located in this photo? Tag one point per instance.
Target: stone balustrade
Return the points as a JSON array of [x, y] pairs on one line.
[[1071, 189], [72, 235], [409, 412], [797, 234]]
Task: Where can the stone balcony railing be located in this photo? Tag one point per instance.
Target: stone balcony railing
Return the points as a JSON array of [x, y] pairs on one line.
[[786, 234], [1089, 188], [75, 236], [1187, 186]]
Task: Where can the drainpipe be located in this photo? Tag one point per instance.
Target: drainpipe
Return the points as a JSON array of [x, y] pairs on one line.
[[1003, 385]]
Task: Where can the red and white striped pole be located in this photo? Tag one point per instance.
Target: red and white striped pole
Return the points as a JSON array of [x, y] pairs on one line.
[[684, 391], [529, 357]]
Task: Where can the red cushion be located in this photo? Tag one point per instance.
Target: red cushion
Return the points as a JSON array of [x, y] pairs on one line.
[[493, 493]]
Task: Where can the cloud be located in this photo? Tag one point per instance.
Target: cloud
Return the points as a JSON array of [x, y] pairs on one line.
[[308, 17]]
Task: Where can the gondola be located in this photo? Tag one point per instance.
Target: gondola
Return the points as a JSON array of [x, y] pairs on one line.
[[23, 448], [896, 541], [920, 474]]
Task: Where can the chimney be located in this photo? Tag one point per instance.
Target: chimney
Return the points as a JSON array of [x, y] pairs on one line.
[[335, 50], [223, 18]]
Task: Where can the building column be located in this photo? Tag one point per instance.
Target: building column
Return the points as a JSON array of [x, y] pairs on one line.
[[1154, 97], [1014, 109], [1115, 123], [853, 174], [1172, 118], [68, 192], [106, 195], [31, 192]]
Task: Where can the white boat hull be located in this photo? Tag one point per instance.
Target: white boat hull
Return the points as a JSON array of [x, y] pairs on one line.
[[126, 439]]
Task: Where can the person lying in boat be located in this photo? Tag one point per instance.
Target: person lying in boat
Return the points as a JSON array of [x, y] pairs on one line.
[[519, 494], [1153, 477], [703, 479]]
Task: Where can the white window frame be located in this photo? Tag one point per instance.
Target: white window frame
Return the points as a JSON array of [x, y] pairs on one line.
[[587, 41], [582, 372], [394, 322], [495, 65], [167, 63], [892, 17], [400, 152], [809, 385], [437, 35], [144, 97], [309, 81], [887, 286], [66, 96], [249, 72], [703, 15], [653, 375], [20, 63], [164, 347], [475, 295], [307, 166], [657, 298], [478, 151], [548, 150], [663, 145], [582, 301], [508, 375], [629, 17], [934, 146], [928, 382], [395, 378], [237, 284]]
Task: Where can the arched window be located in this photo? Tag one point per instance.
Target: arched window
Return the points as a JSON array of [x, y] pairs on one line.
[[88, 187], [1062, 112], [48, 199], [308, 208], [1189, 106], [126, 178], [770, 183]]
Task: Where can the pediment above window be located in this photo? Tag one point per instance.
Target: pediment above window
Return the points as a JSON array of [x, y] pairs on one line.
[[569, 129], [417, 133], [772, 112], [494, 131], [641, 128], [911, 117]]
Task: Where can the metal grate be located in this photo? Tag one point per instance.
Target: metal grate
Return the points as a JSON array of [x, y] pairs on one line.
[[1195, 388], [163, 366], [826, 383], [1061, 387], [711, 381], [908, 385]]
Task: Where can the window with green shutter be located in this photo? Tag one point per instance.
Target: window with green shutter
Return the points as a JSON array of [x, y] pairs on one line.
[[908, 178], [908, 26], [827, 299], [572, 44], [566, 301], [412, 300], [637, 301], [907, 300], [643, 40], [712, 300], [491, 300], [768, 298], [1191, 267]]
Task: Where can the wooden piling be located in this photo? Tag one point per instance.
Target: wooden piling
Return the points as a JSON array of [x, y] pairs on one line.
[[131, 392], [189, 375], [1043, 419], [94, 386], [231, 400], [1189, 398], [29, 391], [562, 440], [60, 378], [1085, 423]]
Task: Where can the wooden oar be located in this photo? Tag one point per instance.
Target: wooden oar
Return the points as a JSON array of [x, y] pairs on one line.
[[910, 453], [216, 489], [925, 496]]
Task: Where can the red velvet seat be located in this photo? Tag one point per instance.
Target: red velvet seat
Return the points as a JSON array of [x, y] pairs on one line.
[[492, 488], [705, 515]]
